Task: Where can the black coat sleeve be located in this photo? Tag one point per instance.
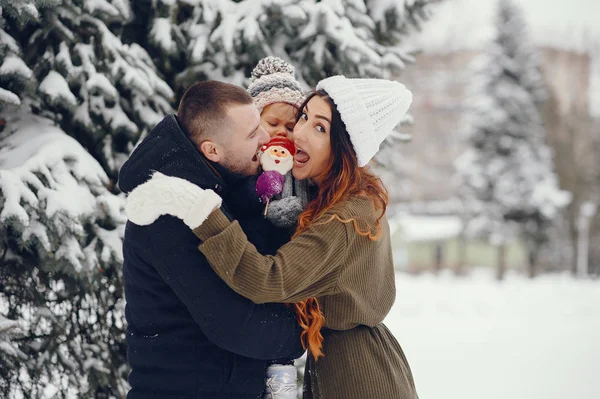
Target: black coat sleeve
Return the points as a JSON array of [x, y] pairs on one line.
[[230, 321]]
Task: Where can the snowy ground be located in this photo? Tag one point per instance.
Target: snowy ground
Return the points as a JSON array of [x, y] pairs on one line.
[[474, 338]]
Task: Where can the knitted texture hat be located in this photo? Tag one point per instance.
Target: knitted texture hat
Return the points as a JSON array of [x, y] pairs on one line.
[[273, 81], [370, 109]]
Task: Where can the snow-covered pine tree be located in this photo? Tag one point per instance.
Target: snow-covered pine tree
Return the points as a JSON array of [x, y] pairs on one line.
[[506, 176], [77, 88], [194, 40], [98, 89], [10, 353], [74, 100]]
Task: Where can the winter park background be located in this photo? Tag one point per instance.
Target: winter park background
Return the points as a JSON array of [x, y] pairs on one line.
[[494, 176]]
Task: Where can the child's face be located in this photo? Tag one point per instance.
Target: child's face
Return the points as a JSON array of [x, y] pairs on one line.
[[279, 119]]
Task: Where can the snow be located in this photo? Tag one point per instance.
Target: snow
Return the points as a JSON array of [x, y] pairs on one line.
[[474, 338], [14, 65], [132, 77], [7, 349], [101, 5], [8, 41], [56, 87], [7, 324], [467, 24], [325, 20], [161, 35], [38, 230], [9, 97], [377, 9], [100, 82], [426, 228], [123, 7], [38, 147]]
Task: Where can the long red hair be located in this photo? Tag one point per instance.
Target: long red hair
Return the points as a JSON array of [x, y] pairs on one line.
[[342, 179]]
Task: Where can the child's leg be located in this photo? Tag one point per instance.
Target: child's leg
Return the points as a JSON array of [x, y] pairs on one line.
[[281, 382]]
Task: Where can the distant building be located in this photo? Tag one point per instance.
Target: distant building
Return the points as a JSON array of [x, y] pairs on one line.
[[440, 83]]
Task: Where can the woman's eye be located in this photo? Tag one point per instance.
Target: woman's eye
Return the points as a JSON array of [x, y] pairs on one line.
[[303, 116], [320, 128]]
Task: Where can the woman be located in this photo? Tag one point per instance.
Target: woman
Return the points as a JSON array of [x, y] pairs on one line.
[[340, 253]]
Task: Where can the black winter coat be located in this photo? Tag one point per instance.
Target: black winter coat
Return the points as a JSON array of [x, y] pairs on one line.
[[190, 335]]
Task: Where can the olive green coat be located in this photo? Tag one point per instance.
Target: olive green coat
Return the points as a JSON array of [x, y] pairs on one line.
[[353, 278]]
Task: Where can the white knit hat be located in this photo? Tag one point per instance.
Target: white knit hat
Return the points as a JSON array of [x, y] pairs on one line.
[[273, 81], [370, 109]]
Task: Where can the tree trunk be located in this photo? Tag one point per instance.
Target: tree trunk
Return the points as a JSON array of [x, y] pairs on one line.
[[461, 263], [574, 240], [531, 267], [501, 265], [438, 256]]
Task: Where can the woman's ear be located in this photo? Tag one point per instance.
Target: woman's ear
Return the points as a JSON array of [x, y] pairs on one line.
[[211, 150]]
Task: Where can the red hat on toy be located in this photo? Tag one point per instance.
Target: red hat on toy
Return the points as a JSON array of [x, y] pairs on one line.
[[280, 141]]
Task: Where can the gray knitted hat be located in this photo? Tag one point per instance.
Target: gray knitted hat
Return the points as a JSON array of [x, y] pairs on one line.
[[273, 81]]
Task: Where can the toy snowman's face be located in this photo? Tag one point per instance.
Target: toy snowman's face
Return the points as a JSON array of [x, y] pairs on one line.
[[279, 153], [277, 158]]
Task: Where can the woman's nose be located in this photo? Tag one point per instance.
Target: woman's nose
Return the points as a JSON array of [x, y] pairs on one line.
[[298, 132]]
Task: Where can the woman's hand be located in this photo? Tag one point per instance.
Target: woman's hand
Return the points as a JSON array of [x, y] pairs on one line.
[[167, 195]]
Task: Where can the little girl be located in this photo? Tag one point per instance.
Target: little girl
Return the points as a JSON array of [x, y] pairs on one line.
[[278, 96]]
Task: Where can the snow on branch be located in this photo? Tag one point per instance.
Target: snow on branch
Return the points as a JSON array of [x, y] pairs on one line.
[[52, 192]]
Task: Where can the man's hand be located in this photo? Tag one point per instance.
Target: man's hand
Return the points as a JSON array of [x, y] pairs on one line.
[[167, 195]]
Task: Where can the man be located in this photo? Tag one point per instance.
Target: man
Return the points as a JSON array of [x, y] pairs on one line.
[[189, 334]]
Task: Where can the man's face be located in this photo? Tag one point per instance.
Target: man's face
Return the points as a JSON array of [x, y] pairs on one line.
[[242, 140]]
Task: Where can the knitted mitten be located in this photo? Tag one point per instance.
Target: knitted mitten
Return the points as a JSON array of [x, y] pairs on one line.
[[167, 195], [284, 212]]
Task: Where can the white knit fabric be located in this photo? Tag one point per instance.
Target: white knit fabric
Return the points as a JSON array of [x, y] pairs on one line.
[[167, 195], [370, 109]]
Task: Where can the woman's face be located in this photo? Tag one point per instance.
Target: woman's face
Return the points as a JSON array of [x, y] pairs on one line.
[[278, 119], [312, 140]]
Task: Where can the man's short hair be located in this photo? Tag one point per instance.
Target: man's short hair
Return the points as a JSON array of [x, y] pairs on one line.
[[203, 108]]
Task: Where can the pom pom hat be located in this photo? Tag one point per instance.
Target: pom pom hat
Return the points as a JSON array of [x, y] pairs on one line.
[[273, 81], [370, 109]]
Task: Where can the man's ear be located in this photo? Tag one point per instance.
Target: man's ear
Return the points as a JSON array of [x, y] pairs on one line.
[[211, 151]]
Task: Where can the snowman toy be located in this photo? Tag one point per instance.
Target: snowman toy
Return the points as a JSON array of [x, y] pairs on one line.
[[276, 159]]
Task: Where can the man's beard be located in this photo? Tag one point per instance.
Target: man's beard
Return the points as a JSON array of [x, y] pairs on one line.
[[236, 165]]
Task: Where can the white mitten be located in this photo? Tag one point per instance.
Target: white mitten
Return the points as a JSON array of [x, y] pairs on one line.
[[167, 195]]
